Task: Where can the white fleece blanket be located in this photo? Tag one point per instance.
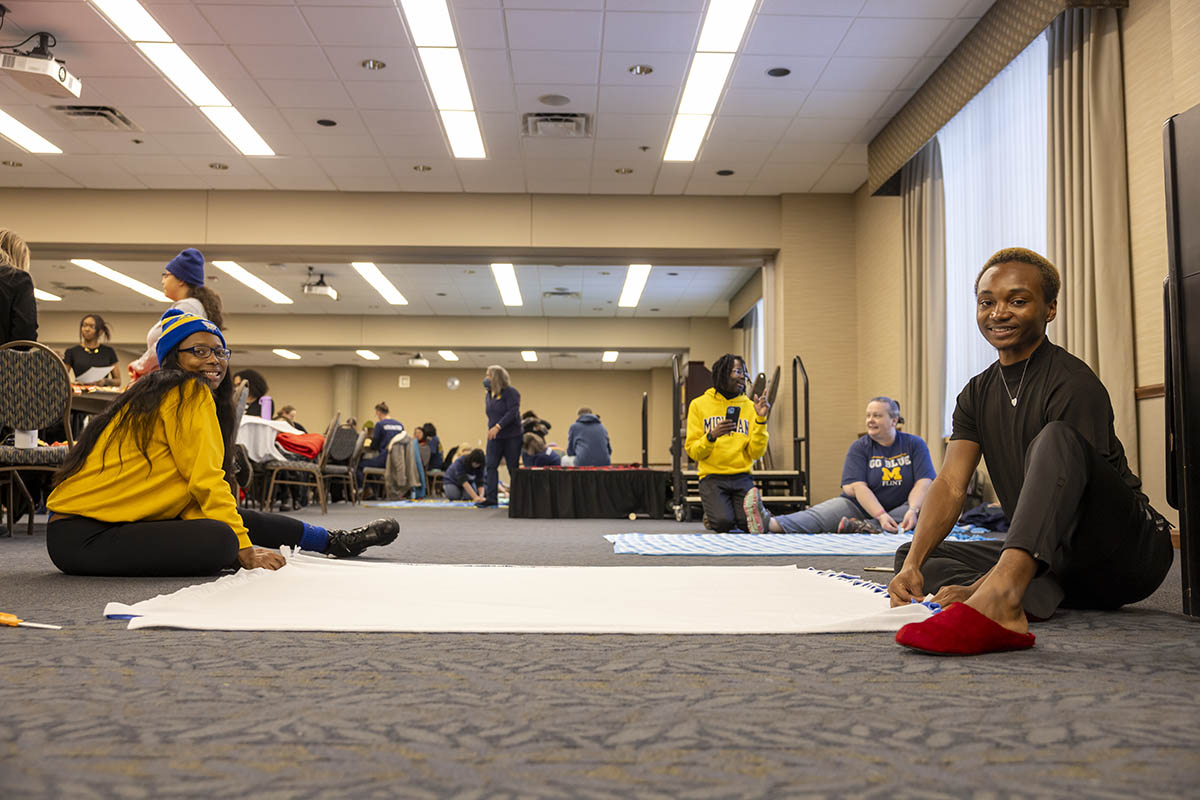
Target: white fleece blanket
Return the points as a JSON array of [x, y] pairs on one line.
[[313, 593]]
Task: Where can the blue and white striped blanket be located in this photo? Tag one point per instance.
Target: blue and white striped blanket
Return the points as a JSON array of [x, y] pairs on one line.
[[765, 544], [433, 503]]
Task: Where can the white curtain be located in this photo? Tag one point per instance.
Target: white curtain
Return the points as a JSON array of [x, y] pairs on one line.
[[994, 170]]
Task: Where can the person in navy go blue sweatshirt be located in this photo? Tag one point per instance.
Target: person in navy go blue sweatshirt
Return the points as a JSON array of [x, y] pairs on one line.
[[503, 405]]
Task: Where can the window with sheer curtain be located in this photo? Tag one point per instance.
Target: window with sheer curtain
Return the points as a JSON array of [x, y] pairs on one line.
[[994, 173]]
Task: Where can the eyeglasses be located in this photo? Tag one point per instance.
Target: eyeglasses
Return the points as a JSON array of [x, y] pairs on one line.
[[200, 351], [739, 373]]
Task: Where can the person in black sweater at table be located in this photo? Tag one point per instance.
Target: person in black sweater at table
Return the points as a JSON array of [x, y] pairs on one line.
[[503, 405], [89, 354], [18, 309], [1082, 534]]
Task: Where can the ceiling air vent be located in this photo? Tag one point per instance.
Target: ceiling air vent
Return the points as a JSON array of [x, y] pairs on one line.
[[556, 125], [566, 294], [63, 287], [93, 118]]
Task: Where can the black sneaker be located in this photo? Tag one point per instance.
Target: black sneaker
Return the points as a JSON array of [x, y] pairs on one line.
[[351, 543]]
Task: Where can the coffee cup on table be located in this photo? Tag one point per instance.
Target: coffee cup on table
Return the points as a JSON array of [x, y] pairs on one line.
[[25, 439]]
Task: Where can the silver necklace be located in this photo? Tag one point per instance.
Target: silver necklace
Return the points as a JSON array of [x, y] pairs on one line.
[[1013, 397]]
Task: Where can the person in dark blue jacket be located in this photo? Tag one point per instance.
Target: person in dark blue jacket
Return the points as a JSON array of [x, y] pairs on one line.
[[464, 478], [535, 454], [382, 434], [587, 440], [503, 405]]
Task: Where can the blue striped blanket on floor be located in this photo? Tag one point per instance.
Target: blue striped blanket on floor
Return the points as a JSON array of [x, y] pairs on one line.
[[766, 544], [436, 502]]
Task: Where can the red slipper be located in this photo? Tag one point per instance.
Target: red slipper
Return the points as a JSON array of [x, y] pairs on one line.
[[961, 631]]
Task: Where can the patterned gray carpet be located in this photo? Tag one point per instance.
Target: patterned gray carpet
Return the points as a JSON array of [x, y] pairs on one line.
[[1104, 706]]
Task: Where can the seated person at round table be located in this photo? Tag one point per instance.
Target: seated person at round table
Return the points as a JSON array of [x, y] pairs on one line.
[[92, 363], [884, 481], [464, 478], [534, 453], [384, 430]]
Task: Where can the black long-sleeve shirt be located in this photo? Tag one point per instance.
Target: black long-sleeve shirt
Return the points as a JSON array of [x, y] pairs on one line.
[[18, 309]]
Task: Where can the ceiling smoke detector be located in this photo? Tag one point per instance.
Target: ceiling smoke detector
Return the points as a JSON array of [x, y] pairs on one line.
[[554, 125]]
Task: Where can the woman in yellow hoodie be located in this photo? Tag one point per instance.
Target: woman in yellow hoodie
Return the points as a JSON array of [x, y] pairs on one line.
[[146, 489], [726, 434]]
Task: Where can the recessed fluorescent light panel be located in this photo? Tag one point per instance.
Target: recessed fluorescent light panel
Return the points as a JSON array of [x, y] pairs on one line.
[[529, 355], [373, 276], [433, 34], [97, 268], [50, 298], [288, 354], [721, 35], [635, 282], [369, 355], [448, 355], [139, 27], [506, 281], [241, 274], [24, 137], [609, 356]]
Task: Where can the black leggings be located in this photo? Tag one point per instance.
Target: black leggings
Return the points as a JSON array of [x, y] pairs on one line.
[[164, 548]]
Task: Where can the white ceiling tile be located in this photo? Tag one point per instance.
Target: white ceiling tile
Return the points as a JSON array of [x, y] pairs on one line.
[[415, 147], [554, 30], [870, 130], [891, 38], [670, 69], [107, 60], [629, 151], [441, 178], [562, 5], [945, 9], [494, 98], [304, 121], [854, 154], [243, 93], [976, 8], [107, 180], [482, 29], [790, 177], [654, 5], [546, 168], [123, 92], [307, 94], [492, 176], [236, 166], [796, 36], [673, 177], [950, 38], [301, 183], [555, 67], [762, 102], [542, 148], [401, 123], [173, 182], [842, 179], [582, 98], [40, 180], [338, 167], [217, 61], [813, 8], [152, 165], [792, 152], [298, 167], [638, 99], [712, 185], [920, 73], [501, 135], [632, 31], [745, 164], [358, 26], [222, 182], [114, 142], [750, 71], [183, 22], [864, 74], [894, 103], [91, 164], [401, 95], [650, 128], [843, 105], [748, 129], [823, 130], [356, 146], [256, 24], [267, 120], [70, 22], [611, 183], [168, 120], [488, 65], [292, 63], [376, 183], [401, 63]]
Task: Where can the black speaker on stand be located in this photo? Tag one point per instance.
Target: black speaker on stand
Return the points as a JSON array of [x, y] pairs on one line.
[[1181, 297]]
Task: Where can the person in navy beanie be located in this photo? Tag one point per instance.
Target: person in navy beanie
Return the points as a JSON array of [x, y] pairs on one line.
[[183, 283]]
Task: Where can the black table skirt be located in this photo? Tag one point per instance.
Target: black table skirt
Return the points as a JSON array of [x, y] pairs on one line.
[[588, 493]]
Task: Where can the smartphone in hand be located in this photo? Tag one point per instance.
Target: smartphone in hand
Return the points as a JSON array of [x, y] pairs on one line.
[[733, 413]]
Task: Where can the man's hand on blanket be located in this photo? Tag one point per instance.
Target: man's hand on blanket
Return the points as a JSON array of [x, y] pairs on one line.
[[257, 557], [953, 594], [909, 584]]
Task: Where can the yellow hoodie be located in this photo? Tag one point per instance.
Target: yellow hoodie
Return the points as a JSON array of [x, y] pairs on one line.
[[732, 453], [183, 479]]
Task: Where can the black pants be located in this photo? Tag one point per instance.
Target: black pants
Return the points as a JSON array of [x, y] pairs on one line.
[[510, 450], [1095, 543], [723, 499], [165, 548]]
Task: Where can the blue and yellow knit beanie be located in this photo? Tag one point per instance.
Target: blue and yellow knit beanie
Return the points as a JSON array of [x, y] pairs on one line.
[[177, 325]]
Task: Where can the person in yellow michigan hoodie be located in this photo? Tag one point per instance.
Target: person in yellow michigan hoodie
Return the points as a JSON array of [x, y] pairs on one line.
[[726, 434]]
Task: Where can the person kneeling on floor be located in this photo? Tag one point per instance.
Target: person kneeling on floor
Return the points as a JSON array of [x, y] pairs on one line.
[[726, 434], [147, 489]]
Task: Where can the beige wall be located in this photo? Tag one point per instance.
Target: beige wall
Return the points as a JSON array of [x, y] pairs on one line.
[[879, 269], [1161, 49]]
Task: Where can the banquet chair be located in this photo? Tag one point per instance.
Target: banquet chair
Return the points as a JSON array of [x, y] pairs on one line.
[[309, 474], [35, 393]]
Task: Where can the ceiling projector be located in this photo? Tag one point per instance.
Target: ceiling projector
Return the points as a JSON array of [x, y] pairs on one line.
[[418, 360], [37, 70], [319, 287]]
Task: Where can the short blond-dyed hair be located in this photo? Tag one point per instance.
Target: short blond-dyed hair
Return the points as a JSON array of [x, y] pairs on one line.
[[13, 250], [1051, 281]]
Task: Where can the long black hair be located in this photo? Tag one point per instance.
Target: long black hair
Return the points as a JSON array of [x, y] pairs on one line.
[[721, 371], [141, 402], [100, 326]]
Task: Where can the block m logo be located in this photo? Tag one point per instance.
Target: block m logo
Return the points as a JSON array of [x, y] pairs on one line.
[[891, 474]]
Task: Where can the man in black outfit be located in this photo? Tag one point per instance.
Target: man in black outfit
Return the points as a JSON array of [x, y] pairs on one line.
[[1082, 534]]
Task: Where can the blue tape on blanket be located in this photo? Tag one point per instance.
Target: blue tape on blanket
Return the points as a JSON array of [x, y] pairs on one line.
[[121, 616]]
